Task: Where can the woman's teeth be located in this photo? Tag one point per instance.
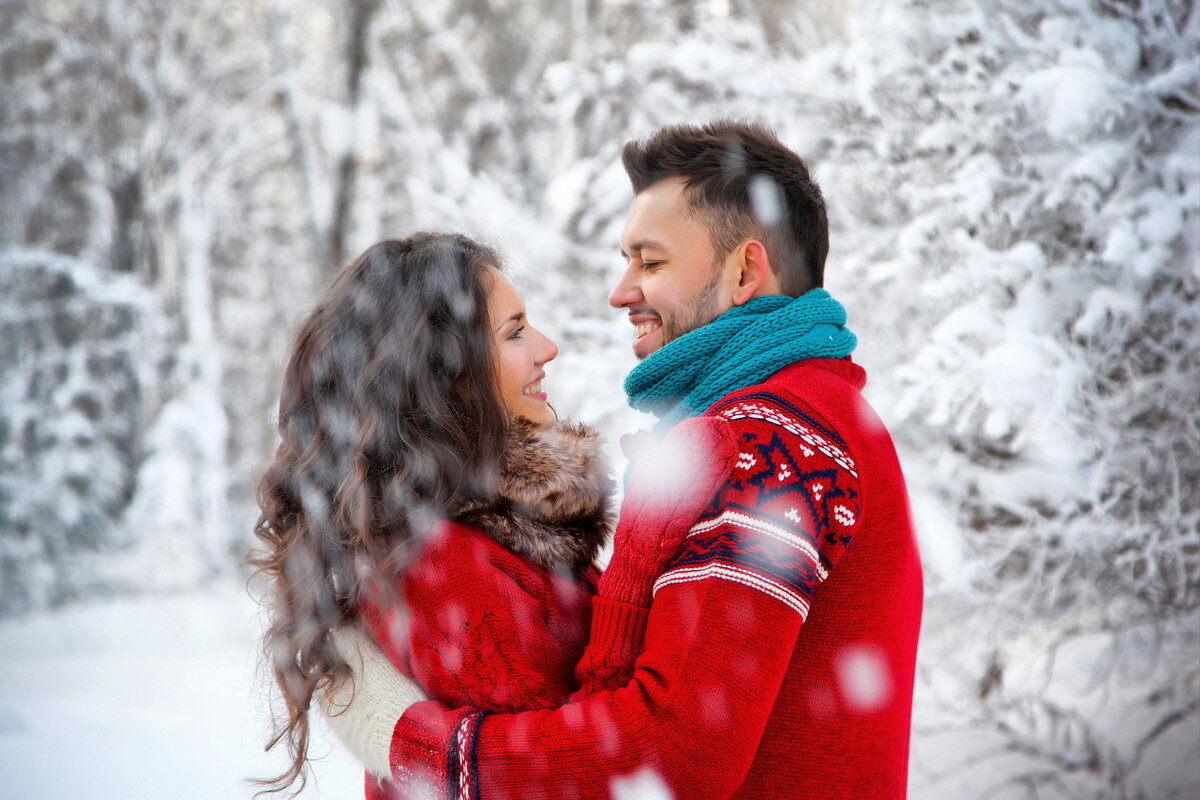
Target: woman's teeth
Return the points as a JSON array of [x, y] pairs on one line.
[[643, 328], [533, 388]]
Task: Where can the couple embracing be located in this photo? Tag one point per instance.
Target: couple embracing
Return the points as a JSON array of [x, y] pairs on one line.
[[430, 528]]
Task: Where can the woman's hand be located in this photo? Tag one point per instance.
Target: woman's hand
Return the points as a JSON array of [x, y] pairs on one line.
[[362, 710]]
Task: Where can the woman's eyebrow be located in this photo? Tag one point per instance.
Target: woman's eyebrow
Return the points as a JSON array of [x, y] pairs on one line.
[[517, 317]]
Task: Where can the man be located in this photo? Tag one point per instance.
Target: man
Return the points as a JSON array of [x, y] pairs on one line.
[[779, 647]]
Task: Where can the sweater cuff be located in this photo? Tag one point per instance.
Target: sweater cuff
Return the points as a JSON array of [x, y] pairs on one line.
[[616, 642], [423, 743], [618, 627]]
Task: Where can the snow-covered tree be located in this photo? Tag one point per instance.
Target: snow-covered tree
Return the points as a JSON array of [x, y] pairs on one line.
[[1014, 189]]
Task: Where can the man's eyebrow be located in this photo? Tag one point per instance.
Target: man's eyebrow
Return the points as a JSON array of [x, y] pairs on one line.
[[644, 244]]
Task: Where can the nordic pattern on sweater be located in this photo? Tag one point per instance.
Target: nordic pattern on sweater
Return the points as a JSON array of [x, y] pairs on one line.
[[462, 759], [780, 524], [481, 628], [727, 669], [787, 513]]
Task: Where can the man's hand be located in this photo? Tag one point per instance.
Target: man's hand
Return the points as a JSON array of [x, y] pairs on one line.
[[671, 485], [362, 710]]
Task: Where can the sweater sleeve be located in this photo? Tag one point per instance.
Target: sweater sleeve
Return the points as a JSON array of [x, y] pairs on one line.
[[614, 645], [719, 638]]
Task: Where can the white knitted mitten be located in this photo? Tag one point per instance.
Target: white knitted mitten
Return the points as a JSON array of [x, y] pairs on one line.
[[362, 711]]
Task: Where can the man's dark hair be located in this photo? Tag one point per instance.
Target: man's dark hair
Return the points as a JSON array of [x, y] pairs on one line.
[[742, 183]]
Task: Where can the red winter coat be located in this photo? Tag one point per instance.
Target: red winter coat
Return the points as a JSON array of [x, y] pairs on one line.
[[779, 650], [483, 628], [499, 627]]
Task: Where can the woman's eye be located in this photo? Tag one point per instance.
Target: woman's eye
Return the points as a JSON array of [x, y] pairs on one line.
[[516, 334], [651, 264]]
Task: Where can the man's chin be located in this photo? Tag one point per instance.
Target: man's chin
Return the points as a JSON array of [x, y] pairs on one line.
[[648, 345]]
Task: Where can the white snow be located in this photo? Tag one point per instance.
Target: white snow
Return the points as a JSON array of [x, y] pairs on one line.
[[865, 678], [1014, 194], [1073, 95], [143, 699]]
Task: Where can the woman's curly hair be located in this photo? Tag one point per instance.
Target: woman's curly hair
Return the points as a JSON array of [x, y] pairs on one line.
[[388, 414]]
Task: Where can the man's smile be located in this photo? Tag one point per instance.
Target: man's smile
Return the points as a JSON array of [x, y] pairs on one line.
[[647, 336]]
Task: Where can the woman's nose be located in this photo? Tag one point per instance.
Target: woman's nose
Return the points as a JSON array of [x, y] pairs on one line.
[[549, 350]]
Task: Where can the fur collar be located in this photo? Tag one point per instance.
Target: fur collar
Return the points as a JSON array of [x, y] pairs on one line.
[[554, 497]]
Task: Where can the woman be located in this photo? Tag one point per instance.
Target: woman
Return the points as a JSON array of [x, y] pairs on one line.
[[423, 491]]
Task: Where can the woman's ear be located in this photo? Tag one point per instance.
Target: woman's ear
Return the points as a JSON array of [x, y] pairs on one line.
[[755, 276]]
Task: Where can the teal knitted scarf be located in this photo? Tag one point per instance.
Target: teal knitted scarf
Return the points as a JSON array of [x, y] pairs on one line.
[[740, 348]]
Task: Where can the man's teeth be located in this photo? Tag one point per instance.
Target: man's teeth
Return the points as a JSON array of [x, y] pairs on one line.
[[646, 327], [533, 388]]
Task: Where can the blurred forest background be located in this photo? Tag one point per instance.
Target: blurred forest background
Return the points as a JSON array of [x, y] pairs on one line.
[[1014, 188]]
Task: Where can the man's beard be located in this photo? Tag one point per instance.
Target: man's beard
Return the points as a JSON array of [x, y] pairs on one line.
[[698, 312]]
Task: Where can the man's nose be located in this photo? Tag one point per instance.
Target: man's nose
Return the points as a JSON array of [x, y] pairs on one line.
[[626, 291]]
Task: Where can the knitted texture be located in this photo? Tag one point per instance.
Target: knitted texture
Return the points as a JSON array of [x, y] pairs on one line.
[[481, 628], [672, 482], [362, 713], [616, 641], [496, 605], [779, 652], [739, 348], [670, 485]]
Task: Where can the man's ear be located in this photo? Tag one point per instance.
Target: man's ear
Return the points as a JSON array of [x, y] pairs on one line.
[[755, 276]]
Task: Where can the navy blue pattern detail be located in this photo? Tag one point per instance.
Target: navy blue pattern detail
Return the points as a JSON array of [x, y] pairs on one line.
[[775, 498], [472, 757], [462, 775], [450, 790], [784, 405], [752, 550]]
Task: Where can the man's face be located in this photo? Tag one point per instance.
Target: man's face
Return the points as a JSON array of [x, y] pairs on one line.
[[672, 283]]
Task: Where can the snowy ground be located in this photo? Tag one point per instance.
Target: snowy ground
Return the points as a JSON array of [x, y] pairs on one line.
[[144, 698], [132, 699], [1014, 193]]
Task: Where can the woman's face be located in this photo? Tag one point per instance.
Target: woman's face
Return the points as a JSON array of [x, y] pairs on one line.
[[521, 352]]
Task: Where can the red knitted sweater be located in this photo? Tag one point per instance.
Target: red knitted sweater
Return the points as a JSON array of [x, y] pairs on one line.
[[482, 628], [780, 648]]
